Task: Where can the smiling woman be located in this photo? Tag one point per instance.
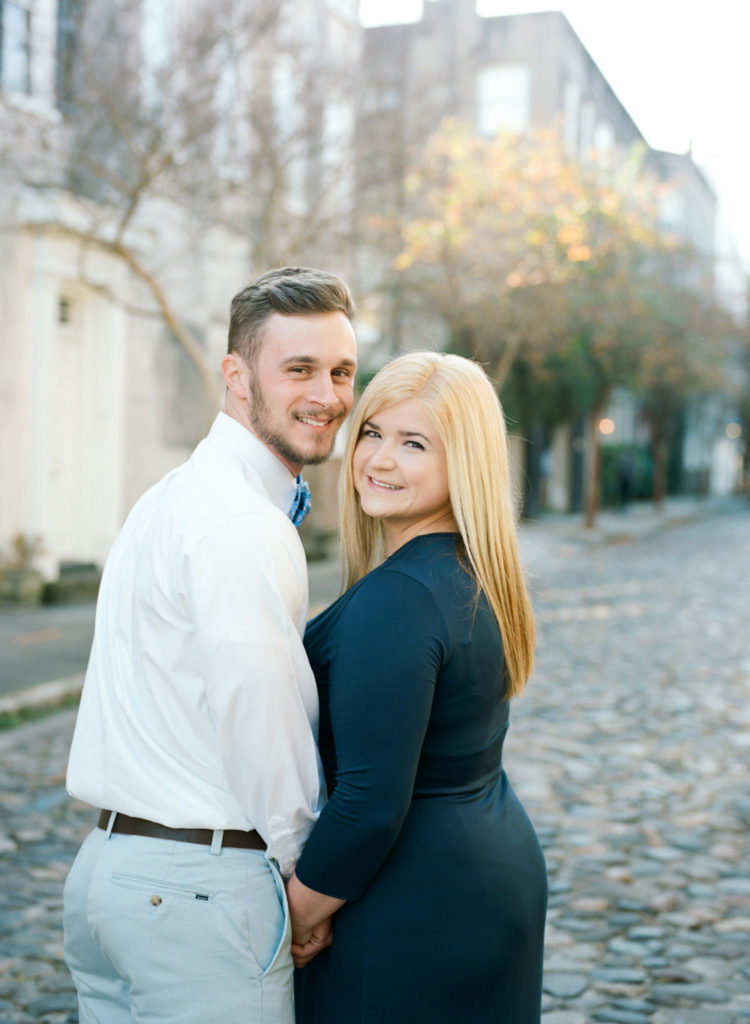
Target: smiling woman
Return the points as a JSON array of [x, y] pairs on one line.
[[401, 474], [423, 851]]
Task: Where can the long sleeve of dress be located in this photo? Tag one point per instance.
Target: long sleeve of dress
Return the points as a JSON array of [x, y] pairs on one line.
[[385, 653]]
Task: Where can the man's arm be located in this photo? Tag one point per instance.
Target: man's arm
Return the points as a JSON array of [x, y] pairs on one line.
[[247, 587]]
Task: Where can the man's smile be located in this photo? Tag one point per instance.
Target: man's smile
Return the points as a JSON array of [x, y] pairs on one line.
[[319, 424]]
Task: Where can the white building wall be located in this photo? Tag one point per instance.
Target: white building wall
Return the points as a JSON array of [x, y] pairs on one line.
[[62, 478], [96, 409]]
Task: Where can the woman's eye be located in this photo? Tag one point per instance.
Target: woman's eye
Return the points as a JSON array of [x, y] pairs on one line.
[[370, 433], [415, 444]]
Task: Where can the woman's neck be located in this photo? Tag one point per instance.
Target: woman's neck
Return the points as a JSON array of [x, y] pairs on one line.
[[396, 536]]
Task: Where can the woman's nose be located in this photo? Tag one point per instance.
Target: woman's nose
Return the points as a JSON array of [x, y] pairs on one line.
[[383, 455]]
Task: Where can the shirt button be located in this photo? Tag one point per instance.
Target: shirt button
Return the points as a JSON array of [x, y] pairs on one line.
[[155, 901]]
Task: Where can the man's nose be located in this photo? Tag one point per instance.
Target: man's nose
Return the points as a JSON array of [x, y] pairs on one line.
[[321, 390]]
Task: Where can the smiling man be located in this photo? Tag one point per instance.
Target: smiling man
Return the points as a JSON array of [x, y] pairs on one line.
[[196, 733]]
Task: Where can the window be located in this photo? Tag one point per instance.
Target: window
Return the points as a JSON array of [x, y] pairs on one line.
[[15, 46], [571, 113], [588, 116], [345, 8], [337, 133], [504, 99], [68, 21], [285, 101], [225, 101], [604, 138], [382, 96], [156, 36]]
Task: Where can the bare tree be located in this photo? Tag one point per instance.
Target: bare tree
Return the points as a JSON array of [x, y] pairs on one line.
[[228, 125]]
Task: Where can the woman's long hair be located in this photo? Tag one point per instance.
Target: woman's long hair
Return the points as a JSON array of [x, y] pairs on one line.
[[463, 405]]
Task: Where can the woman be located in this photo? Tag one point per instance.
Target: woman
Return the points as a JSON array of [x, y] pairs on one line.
[[423, 850]]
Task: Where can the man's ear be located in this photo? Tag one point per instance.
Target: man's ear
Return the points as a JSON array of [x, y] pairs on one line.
[[235, 374]]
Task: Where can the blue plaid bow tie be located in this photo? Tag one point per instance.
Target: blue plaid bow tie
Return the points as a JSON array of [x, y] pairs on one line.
[[300, 502]]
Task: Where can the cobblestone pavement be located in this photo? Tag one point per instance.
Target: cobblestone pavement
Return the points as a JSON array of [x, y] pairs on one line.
[[630, 749]]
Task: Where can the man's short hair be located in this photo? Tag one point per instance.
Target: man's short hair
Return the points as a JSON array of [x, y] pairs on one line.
[[291, 291]]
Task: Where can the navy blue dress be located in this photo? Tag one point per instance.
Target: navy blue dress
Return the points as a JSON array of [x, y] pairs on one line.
[[422, 833]]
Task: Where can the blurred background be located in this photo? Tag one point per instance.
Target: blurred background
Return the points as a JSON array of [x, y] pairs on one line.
[[478, 173]]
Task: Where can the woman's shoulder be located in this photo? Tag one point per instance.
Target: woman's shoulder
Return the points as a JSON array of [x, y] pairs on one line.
[[418, 572], [432, 560], [329, 615]]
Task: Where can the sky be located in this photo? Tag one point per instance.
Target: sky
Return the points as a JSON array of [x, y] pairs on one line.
[[679, 67]]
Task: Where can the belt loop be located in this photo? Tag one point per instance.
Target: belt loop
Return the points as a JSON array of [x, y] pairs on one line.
[[217, 840], [111, 823]]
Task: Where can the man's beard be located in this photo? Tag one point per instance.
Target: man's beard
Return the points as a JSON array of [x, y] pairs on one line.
[[279, 443]]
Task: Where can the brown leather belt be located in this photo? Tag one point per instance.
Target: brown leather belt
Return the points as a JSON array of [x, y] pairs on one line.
[[204, 836]]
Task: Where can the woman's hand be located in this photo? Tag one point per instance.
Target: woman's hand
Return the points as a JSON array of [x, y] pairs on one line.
[[314, 942], [310, 912]]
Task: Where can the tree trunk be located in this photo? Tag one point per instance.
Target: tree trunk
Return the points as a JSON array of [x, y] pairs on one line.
[[593, 466], [660, 452], [532, 499]]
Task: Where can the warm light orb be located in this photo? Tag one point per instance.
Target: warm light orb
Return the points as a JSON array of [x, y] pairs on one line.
[[606, 426], [733, 431]]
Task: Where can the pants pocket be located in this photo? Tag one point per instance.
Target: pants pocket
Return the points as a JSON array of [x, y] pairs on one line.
[[280, 949], [266, 915], [160, 890]]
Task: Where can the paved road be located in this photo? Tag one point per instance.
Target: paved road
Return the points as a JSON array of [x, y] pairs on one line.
[[630, 750], [40, 644]]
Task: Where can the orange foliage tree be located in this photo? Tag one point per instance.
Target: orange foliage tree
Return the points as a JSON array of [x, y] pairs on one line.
[[537, 261]]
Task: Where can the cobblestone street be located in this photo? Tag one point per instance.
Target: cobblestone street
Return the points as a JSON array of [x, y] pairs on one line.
[[630, 750]]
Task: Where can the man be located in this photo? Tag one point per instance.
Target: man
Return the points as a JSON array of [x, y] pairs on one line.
[[196, 732]]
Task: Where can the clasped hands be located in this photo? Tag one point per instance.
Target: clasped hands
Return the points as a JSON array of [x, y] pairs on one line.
[[311, 914], [307, 943]]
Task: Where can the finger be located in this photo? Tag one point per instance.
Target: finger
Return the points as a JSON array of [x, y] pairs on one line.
[[301, 959], [302, 954]]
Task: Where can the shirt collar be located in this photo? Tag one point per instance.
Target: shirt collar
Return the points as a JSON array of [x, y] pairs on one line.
[[277, 479]]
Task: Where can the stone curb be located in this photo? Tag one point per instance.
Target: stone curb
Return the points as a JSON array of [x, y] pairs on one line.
[[42, 694]]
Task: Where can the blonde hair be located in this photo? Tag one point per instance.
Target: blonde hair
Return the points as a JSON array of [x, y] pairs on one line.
[[462, 403]]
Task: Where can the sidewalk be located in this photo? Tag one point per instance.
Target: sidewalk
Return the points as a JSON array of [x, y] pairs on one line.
[[550, 537], [637, 520]]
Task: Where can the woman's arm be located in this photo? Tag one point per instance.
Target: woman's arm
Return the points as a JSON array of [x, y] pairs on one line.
[[386, 652]]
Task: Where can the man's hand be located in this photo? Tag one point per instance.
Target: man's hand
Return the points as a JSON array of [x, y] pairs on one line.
[[315, 941]]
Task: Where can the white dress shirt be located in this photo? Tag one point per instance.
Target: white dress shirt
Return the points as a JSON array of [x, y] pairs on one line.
[[199, 708]]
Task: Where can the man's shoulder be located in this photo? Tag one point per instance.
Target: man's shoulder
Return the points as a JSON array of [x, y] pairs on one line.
[[199, 499]]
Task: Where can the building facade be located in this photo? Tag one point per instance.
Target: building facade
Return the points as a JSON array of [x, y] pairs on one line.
[[518, 74], [155, 155], [152, 163]]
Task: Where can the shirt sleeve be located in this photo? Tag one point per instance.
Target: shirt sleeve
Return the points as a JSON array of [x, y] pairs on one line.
[[385, 656], [247, 584]]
